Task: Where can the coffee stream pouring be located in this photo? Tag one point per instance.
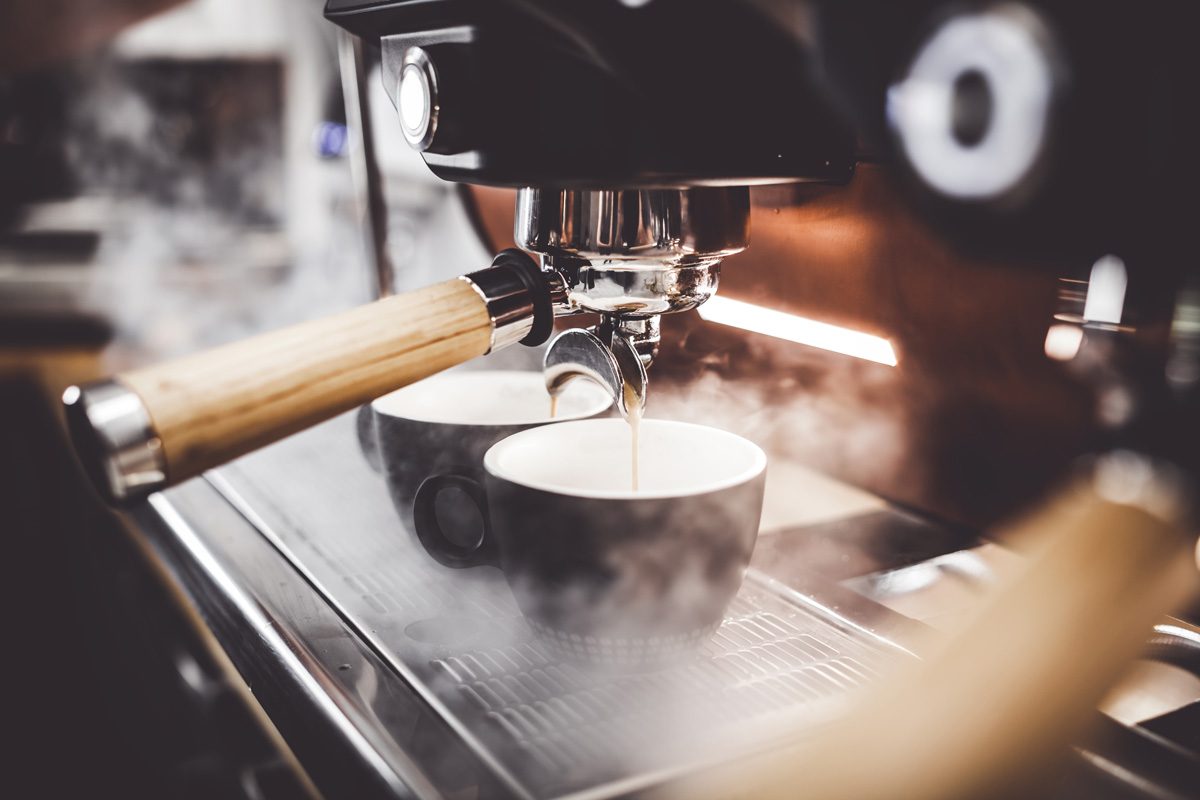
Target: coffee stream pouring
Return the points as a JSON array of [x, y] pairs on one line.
[[630, 255], [613, 364]]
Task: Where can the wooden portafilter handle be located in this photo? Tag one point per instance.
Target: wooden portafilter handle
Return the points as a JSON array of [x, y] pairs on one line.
[[153, 427]]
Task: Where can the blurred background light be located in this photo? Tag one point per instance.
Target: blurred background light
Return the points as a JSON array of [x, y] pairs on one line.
[[793, 328]]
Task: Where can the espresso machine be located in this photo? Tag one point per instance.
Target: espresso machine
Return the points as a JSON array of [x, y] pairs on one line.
[[630, 222], [1042, 138]]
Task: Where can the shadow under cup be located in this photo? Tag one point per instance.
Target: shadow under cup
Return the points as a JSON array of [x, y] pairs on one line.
[[446, 423], [601, 572]]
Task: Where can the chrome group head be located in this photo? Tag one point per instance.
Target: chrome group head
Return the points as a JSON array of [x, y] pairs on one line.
[[631, 256]]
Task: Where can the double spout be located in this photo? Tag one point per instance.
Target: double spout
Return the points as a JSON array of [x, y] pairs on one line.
[[613, 363]]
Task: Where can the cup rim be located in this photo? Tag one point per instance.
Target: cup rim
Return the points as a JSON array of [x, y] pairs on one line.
[[602, 404], [757, 467]]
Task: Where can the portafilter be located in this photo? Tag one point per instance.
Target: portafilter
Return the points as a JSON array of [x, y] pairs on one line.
[[629, 255]]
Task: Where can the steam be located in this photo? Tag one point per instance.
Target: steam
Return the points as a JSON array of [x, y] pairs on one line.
[[198, 251], [601, 709], [186, 161], [799, 404]]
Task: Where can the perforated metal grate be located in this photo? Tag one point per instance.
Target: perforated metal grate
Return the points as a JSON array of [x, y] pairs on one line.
[[756, 664], [547, 726]]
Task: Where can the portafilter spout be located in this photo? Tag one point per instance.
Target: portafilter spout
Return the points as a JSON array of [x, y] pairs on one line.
[[614, 364]]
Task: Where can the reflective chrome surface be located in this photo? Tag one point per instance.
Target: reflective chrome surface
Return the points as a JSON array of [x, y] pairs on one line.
[[509, 304], [637, 288], [616, 366], [673, 226], [364, 164], [417, 99], [312, 601], [115, 439], [635, 252], [342, 711], [396, 55], [389, 677], [644, 334]]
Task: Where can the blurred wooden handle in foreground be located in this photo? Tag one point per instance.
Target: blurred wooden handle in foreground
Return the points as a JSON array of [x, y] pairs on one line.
[[989, 707]]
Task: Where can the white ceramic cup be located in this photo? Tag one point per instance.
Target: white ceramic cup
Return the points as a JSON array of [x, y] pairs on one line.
[[447, 422], [603, 572]]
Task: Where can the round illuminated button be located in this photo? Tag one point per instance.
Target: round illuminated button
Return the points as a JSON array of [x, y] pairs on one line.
[[416, 99], [972, 114]]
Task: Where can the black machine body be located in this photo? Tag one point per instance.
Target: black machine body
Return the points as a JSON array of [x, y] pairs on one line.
[[598, 95]]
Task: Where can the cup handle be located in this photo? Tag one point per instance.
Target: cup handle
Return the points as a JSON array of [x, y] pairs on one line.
[[368, 437], [434, 539]]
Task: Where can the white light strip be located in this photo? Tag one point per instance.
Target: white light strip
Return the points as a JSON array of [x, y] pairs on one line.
[[769, 322]]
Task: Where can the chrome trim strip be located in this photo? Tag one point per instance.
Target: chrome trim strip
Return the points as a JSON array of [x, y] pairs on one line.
[[275, 645], [340, 709], [832, 614], [1176, 628], [509, 304], [235, 499], [115, 440]]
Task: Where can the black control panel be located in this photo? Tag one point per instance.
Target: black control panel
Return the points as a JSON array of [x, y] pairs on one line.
[[594, 94]]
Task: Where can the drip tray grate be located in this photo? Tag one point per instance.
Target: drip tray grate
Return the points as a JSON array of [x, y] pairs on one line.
[[545, 727], [564, 716]]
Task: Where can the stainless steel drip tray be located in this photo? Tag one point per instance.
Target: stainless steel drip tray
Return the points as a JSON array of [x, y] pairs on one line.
[[544, 727]]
